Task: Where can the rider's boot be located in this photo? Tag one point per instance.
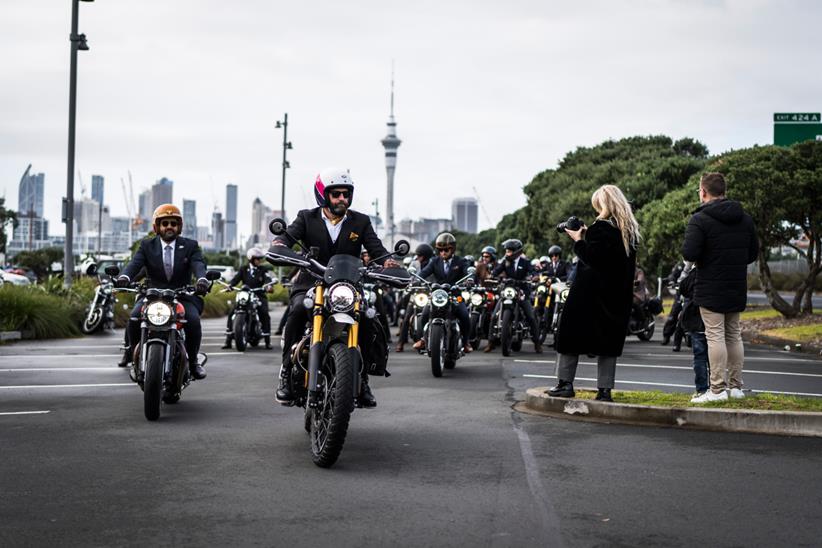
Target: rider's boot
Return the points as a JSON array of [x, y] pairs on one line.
[[283, 395], [227, 345], [126, 359], [268, 342], [367, 398]]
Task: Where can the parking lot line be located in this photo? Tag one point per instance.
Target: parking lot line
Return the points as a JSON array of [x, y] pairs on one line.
[[24, 413], [43, 386]]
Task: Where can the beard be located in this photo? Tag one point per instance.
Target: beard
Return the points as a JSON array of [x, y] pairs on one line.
[[338, 210], [168, 234]]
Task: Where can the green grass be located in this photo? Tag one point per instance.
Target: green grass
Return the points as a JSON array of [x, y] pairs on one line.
[[45, 316], [763, 313], [764, 402], [801, 333]]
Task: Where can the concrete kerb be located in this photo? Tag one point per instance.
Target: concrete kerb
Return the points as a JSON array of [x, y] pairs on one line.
[[782, 423]]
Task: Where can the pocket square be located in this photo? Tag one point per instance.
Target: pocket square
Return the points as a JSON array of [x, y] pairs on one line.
[[353, 236]]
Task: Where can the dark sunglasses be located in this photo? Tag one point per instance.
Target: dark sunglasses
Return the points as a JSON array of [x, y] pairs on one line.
[[443, 250], [339, 194], [486, 256], [171, 223]]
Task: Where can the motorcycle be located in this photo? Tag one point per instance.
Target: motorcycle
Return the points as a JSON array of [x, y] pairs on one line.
[[644, 309], [442, 333], [481, 299], [246, 324], [542, 304], [100, 312], [329, 358], [160, 364], [419, 297], [510, 326]]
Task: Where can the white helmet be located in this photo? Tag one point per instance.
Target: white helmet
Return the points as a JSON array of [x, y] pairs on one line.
[[336, 178], [255, 253], [406, 262], [534, 262]]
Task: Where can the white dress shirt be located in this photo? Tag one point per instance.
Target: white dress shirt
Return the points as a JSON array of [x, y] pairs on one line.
[[333, 229]]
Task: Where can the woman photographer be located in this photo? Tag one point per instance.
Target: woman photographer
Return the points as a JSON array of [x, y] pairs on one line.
[[595, 317]]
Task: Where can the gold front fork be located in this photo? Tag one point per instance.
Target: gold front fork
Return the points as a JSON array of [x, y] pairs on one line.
[[317, 323], [354, 330]]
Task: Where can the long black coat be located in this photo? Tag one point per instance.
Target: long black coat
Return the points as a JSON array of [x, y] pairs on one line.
[[595, 317], [721, 240]]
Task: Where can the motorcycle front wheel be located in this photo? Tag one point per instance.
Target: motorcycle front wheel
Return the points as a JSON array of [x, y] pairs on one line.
[[476, 335], [505, 332], [647, 333], [239, 332], [93, 321], [436, 340], [153, 384], [329, 420]]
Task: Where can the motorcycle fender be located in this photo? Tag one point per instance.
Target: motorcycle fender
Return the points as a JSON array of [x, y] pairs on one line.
[[437, 321], [356, 361], [151, 342], [343, 318], [507, 301]]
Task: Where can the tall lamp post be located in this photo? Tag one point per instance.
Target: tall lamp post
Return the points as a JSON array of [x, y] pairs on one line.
[[78, 43], [286, 147]]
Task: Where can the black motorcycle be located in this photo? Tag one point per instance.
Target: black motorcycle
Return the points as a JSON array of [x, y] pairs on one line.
[[100, 312], [419, 297], [643, 317], [329, 358], [160, 362], [510, 326], [442, 334], [245, 321], [481, 300]]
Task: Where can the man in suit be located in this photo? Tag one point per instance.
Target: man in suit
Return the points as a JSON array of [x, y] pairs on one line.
[[515, 266], [253, 276], [555, 266], [333, 229], [170, 262], [447, 268]]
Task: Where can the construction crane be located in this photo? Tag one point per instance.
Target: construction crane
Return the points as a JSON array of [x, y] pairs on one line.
[[487, 217], [137, 221]]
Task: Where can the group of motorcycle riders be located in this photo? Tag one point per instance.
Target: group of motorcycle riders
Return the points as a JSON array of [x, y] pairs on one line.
[[170, 261]]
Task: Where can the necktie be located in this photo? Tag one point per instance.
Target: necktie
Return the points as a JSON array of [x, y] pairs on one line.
[[445, 267], [167, 262]]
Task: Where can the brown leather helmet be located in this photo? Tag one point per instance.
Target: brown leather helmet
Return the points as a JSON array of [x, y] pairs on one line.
[[445, 240], [165, 211]]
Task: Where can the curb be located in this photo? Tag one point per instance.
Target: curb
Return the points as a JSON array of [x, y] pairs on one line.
[[10, 335], [781, 423]]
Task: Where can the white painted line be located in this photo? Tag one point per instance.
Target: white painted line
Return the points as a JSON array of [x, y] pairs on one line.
[[34, 386], [108, 368], [685, 368], [62, 356], [25, 413]]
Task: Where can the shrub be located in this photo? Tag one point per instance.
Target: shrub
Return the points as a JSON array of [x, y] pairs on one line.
[[217, 304], [30, 309], [279, 295]]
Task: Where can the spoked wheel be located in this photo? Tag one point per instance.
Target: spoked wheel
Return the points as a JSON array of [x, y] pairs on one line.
[[93, 321], [329, 421], [505, 332], [647, 334], [239, 332], [437, 340], [153, 384]]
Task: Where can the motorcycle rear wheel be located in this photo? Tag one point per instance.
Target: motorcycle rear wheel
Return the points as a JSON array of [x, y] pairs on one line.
[[239, 332], [329, 421], [93, 323], [647, 334], [437, 346], [153, 384]]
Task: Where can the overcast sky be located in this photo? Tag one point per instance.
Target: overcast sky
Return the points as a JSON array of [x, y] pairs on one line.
[[488, 93]]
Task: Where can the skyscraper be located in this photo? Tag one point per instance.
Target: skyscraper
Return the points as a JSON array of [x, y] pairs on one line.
[[30, 195], [230, 216], [464, 214], [162, 192], [391, 143], [190, 219], [217, 231], [145, 208], [97, 183]]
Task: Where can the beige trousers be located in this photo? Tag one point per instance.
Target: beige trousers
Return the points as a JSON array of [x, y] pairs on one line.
[[725, 351]]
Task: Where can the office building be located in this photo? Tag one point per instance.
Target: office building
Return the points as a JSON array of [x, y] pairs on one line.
[[190, 219], [464, 214], [230, 216], [162, 192], [97, 188], [30, 194]]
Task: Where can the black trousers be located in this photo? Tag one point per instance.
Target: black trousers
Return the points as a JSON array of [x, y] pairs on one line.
[[192, 329]]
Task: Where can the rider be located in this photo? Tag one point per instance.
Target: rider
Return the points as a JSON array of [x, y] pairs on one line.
[[447, 268], [253, 276], [556, 267], [333, 229], [517, 267], [489, 256], [170, 262], [422, 256]]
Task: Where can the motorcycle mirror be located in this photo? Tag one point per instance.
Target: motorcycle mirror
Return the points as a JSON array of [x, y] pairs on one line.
[[471, 270], [277, 226], [402, 248], [111, 270], [91, 270], [212, 275]]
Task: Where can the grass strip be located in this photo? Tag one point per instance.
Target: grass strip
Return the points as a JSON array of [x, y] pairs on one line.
[[762, 402]]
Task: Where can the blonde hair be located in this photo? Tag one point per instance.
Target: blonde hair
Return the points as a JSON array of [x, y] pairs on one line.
[[610, 203]]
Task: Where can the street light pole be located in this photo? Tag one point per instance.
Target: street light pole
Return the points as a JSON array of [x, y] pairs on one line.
[[286, 146], [78, 42]]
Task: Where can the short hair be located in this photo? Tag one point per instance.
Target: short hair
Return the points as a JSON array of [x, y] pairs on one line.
[[713, 183]]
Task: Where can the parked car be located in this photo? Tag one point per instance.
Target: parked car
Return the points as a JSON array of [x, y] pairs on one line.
[[14, 279], [226, 272]]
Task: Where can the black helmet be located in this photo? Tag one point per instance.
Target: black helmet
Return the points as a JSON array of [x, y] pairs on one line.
[[491, 250], [424, 250], [554, 250], [513, 245], [470, 259], [445, 240]]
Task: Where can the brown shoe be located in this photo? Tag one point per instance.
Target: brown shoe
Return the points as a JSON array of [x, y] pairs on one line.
[[467, 349], [419, 345], [488, 348], [399, 348]]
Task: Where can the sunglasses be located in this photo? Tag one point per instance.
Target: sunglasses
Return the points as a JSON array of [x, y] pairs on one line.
[[443, 250], [486, 256], [171, 223], [339, 194]]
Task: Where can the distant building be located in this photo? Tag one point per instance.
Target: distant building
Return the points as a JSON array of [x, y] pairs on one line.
[[162, 192], [202, 234], [30, 195], [86, 214], [217, 231], [97, 188], [145, 208], [30, 229], [190, 219], [464, 214], [120, 224], [230, 216]]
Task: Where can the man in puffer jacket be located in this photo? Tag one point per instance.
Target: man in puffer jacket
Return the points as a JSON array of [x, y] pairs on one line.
[[721, 240]]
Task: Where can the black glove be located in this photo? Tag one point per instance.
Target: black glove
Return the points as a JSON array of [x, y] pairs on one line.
[[202, 286], [122, 281]]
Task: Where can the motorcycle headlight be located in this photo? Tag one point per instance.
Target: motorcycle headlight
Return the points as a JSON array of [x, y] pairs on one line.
[[421, 299], [242, 297], [476, 299], [341, 297], [509, 293], [466, 296], [541, 289], [107, 290], [439, 297], [564, 294], [158, 313]]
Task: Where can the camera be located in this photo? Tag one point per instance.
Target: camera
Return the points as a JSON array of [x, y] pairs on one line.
[[573, 223]]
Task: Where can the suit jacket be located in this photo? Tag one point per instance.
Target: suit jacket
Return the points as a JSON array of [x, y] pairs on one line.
[[561, 270], [188, 263], [259, 279], [517, 269], [458, 269], [356, 233]]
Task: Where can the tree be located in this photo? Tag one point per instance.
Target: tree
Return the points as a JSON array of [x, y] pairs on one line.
[[40, 261], [6, 216]]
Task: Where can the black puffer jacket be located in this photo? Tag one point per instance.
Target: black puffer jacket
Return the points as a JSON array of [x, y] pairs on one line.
[[721, 240]]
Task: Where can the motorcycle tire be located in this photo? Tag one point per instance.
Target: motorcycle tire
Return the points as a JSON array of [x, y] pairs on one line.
[[239, 332], [544, 324], [153, 383], [436, 340], [92, 324], [516, 345], [475, 337], [329, 421], [453, 352], [505, 332], [647, 334]]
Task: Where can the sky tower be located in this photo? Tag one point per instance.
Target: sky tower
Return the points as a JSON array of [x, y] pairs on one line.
[[391, 143]]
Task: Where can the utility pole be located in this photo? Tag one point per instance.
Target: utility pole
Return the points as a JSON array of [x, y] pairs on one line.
[[286, 147]]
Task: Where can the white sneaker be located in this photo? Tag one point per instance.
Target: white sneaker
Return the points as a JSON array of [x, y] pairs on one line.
[[709, 396], [737, 393]]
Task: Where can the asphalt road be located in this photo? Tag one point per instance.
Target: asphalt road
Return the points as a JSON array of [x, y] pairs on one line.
[[439, 462]]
